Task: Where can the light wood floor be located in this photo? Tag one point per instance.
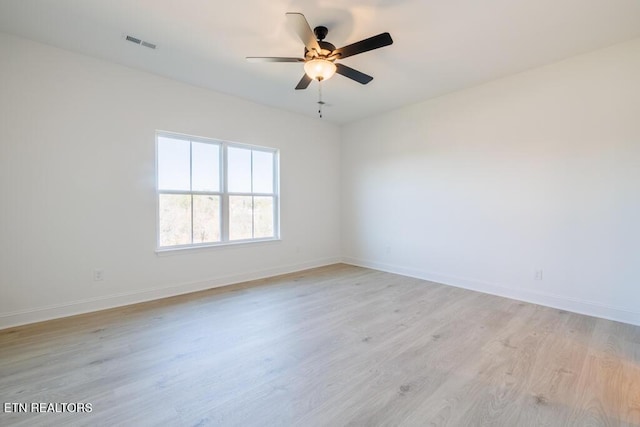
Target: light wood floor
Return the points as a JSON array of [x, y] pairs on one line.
[[333, 346]]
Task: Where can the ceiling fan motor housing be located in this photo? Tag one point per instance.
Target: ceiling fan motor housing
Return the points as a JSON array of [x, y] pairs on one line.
[[325, 50], [325, 47]]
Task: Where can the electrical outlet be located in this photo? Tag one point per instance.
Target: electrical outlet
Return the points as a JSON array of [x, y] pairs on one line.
[[537, 274], [98, 275]]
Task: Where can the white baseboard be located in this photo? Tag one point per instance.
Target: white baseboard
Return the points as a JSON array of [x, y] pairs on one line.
[[575, 305], [40, 314]]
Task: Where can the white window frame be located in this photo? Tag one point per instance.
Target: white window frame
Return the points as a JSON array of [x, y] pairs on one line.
[[223, 193]]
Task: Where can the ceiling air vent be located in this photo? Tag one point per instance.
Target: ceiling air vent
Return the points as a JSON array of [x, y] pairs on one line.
[[133, 39], [140, 42]]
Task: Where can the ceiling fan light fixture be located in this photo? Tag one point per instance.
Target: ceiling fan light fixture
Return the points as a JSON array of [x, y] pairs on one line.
[[320, 69]]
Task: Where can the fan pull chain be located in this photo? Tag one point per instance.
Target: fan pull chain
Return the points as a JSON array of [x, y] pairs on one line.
[[320, 103]]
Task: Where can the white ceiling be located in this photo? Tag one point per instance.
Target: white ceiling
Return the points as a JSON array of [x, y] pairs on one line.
[[439, 45]]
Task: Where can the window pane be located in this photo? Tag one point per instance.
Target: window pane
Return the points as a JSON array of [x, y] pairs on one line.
[[173, 164], [205, 167], [239, 170], [206, 219], [262, 172], [175, 219], [240, 217], [263, 217]]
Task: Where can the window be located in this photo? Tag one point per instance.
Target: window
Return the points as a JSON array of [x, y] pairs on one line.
[[213, 192]]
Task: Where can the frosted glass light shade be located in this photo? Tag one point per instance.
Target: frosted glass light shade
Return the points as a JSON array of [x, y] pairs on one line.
[[319, 69]]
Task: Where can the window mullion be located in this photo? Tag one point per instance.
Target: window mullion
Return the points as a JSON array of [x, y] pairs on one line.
[[253, 207], [191, 184], [224, 201], [276, 195]]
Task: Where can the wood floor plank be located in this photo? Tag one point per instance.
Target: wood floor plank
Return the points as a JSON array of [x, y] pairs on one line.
[[550, 394], [338, 345], [609, 384]]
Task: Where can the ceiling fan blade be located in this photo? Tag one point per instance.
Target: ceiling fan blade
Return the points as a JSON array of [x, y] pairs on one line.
[[365, 45], [304, 82], [299, 24], [272, 59], [353, 74]]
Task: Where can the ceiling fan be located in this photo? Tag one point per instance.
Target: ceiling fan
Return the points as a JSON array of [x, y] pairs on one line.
[[320, 56]]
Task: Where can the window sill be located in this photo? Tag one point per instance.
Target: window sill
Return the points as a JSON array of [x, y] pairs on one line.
[[181, 250]]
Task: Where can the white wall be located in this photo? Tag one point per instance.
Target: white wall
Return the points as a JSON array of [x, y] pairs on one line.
[[77, 184], [476, 189], [481, 187]]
